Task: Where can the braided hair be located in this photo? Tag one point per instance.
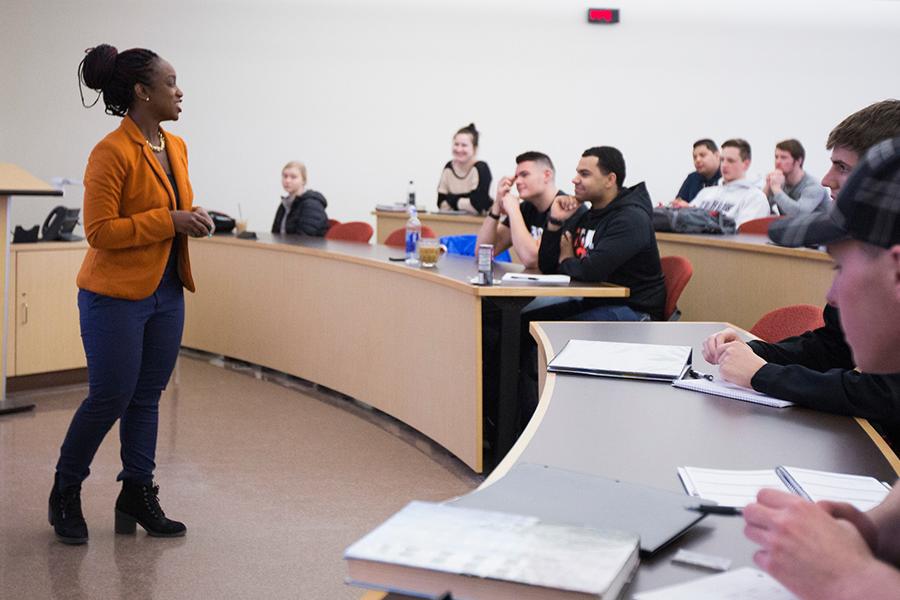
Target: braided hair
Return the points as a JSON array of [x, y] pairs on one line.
[[114, 74]]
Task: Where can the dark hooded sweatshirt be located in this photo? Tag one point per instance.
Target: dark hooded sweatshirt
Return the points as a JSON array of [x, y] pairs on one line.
[[816, 370], [617, 245], [307, 215]]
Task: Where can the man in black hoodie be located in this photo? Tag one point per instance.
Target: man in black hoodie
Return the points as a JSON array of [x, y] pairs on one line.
[[613, 242]]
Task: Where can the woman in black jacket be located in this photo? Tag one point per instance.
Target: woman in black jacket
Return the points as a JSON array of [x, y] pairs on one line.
[[301, 211]]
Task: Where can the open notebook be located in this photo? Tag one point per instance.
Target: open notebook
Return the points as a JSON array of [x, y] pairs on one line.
[[720, 387], [619, 359], [739, 488]]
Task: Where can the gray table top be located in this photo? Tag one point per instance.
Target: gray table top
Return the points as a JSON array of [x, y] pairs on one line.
[[641, 431]]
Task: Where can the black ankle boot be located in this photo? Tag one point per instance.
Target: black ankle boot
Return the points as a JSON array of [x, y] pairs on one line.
[[139, 503], [65, 514]]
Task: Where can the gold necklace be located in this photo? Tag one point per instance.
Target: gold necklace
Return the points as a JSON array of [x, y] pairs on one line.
[[162, 143]]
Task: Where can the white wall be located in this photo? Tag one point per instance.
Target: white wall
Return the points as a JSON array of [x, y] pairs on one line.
[[368, 94]]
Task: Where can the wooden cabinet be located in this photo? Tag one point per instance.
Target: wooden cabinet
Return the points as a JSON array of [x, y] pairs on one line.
[[44, 333]]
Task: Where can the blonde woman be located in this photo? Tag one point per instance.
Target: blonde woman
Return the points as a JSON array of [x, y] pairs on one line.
[[301, 211]]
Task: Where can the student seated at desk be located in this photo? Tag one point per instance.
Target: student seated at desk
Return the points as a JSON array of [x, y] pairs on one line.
[[789, 188], [301, 210], [520, 224], [706, 173], [817, 369], [829, 550], [465, 180], [737, 197], [613, 242]]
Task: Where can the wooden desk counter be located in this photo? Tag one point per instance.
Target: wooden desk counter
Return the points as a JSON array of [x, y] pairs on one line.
[[740, 278], [14, 181], [737, 278], [402, 339], [386, 222]]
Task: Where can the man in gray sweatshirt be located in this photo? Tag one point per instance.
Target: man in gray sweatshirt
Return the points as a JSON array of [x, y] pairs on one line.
[[789, 188], [737, 197]]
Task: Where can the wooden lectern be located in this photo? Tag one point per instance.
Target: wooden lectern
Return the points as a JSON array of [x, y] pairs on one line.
[[14, 181]]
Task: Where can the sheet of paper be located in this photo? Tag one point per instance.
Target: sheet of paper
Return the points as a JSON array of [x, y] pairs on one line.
[[535, 279], [720, 387], [728, 487], [740, 584], [862, 492]]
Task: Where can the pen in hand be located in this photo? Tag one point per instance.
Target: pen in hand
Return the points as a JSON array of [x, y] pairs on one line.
[[714, 509]]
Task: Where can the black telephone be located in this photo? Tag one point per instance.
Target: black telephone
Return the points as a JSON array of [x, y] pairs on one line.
[[223, 223], [59, 225]]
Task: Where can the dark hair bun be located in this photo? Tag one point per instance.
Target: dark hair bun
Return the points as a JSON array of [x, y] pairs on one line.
[[99, 65]]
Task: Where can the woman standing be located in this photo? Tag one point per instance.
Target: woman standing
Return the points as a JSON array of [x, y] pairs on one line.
[[465, 180], [137, 216]]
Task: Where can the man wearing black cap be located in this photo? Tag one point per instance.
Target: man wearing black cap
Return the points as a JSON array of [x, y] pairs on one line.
[[817, 369], [826, 549]]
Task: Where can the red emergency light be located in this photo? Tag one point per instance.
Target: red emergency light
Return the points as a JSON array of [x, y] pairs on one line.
[[603, 16]]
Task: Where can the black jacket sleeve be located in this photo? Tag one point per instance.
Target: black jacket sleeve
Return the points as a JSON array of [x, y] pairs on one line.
[[279, 215], [816, 370], [548, 252], [821, 349], [839, 391], [307, 216], [479, 197], [450, 199], [622, 238]]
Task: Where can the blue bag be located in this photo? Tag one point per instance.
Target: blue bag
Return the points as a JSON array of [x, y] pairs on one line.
[[465, 245]]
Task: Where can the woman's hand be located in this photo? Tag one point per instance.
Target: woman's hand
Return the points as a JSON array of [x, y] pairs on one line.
[[195, 223]]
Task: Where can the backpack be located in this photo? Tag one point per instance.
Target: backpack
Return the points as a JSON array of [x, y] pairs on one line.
[[692, 220]]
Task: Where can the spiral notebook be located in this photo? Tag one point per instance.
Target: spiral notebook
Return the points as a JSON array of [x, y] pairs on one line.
[[738, 488], [720, 387]]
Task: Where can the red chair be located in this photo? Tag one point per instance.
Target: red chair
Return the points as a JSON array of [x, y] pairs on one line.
[[332, 223], [677, 271], [397, 238], [788, 321], [354, 231], [760, 225]]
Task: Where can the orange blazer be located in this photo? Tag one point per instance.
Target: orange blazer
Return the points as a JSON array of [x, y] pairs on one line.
[[127, 199]]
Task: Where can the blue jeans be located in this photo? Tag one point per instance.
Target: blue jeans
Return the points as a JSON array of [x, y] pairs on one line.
[[131, 348], [580, 310]]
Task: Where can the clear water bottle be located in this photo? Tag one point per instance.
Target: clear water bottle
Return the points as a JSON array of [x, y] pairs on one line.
[[411, 194], [413, 231]]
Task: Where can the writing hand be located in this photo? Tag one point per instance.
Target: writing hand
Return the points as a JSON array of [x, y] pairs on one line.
[[804, 547]]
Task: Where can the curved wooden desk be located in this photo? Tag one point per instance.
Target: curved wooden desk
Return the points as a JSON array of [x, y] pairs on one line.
[[402, 339], [739, 278], [640, 431], [386, 222]]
